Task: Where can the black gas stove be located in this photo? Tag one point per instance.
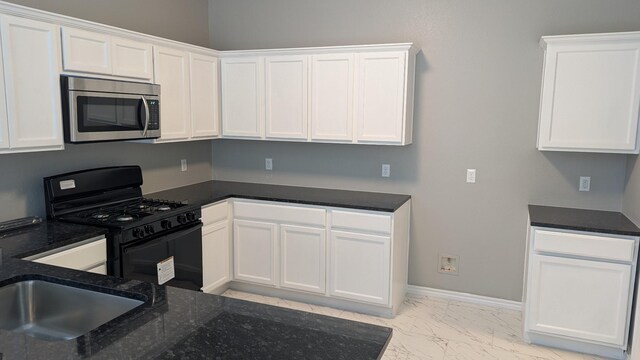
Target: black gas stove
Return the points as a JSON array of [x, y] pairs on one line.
[[136, 219], [142, 231]]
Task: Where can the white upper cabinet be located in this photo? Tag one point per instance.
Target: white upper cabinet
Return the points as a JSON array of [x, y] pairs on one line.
[[86, 51], [31, 56], [132, 59], [204, 96], [97, 53], [332, 85], [380, 104], [286, 97], [172, 74], [352, 94], [242, 97], [590, 93]]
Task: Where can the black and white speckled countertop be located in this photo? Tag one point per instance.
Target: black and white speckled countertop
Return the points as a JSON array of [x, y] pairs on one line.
[[211, 191], [608, 222], [175, 323]]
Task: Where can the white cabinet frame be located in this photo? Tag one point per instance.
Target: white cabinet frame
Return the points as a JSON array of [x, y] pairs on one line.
[[303, 258], [590, 98], [286, 97], [31, 59]]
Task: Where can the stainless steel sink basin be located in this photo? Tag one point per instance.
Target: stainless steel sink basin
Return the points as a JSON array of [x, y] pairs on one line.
[[51, 311]]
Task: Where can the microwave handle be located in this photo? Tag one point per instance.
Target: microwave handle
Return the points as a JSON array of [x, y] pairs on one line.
[[146, 116]]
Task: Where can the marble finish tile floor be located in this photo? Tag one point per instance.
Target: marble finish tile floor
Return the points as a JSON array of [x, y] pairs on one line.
[[432, 328]]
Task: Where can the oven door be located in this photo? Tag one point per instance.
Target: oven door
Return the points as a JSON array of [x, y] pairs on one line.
[[102, 116], [139, 259]]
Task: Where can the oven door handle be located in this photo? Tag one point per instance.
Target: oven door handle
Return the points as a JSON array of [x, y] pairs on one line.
[[146, 116], [161, 238]]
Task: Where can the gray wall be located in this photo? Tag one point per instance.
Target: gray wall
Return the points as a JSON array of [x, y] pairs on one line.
[[631, 202], [477, 94], [184, 20], [21, 191]]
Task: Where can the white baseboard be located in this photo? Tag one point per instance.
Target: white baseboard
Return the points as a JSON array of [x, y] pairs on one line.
[[464, 297]]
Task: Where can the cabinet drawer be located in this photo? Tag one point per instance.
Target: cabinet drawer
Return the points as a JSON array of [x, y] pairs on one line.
[[213, 213], [586, 245], [369, 222], [83, 257], [280, 213]]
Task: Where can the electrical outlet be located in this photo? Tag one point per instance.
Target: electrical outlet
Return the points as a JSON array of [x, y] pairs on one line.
[[386, 170], [183, 165], [449, 264], [268, 164], [585, 183], [471, 176]]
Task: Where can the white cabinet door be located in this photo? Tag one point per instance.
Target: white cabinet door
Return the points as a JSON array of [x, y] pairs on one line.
[[172, 74], [243, 97], [254, 251], [360, 267], [86, 256], [380, 97], [204, 96], [580, 299], [31, 54], [590, 96], [132, 58], [215, 255], [86, 51], [302, 258], [332, 84], [286, 97]]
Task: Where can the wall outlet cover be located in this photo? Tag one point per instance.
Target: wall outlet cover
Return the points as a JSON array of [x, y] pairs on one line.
[[471, 176], [268, 164], [386, 170], [585, 183]]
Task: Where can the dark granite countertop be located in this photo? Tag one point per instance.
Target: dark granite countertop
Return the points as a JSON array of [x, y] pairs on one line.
[[175, 323], [608, 222], [211, 191], [45, 236]]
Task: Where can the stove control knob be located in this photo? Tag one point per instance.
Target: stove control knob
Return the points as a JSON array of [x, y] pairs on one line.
[[138, 232], [182, 219], [149, 229], [166, 224], [191, 216]]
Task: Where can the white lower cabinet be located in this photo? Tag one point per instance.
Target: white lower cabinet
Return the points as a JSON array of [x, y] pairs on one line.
[[569, 290], [216, 247], [359, 267], [302, 258], [578, 290], [354, 259], [89, 255], [254, 250], [215, 250]]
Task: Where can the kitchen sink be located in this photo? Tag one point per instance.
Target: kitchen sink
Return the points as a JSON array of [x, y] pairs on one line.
[[54, 312]]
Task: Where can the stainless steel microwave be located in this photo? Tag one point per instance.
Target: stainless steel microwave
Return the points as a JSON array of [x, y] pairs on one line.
[[109, 110]]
